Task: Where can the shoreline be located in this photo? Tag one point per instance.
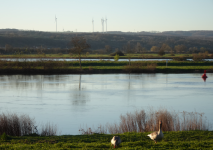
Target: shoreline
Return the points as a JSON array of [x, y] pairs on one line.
[[98, 57], [97, 71]]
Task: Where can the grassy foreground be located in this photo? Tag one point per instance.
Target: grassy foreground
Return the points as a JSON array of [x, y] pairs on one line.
[[172, 140]]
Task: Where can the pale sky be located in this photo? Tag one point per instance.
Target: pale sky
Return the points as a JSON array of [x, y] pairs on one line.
[[122, 15]]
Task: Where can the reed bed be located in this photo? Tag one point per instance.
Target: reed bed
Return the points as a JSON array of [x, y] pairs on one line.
[[20, 125], [41, 63], [146, 121]]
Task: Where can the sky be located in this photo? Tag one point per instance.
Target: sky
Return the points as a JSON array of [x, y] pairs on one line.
[[122, 15]]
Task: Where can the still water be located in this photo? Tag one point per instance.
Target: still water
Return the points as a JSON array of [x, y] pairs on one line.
[[71, 101], [59, 59], [46, 59]]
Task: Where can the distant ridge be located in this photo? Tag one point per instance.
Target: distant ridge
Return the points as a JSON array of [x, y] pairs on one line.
[[195, 33], [115, 39]]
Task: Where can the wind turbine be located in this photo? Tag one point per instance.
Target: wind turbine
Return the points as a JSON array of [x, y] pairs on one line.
[[106, 23], [102, 24], [102, 21], [93, 24], [56, 22]]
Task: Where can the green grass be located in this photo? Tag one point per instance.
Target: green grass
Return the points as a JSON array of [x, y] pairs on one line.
[[185, 67], [171, 140], [122, 66]]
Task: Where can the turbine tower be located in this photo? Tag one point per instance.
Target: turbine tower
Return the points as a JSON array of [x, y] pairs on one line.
[[102, 22], [56, 22], [92, 25], [106, 23], [103, 25]]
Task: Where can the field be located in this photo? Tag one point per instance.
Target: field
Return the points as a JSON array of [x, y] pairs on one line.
[[172, 140], [42, 66]]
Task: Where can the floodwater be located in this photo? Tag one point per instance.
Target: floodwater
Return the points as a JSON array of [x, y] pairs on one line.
[[74, 101], [46, 59], [59, 59]]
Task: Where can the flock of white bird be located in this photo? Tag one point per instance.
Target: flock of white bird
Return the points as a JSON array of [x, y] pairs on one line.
[[155, 136]]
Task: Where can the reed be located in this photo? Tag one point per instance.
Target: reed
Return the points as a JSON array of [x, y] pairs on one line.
[[48, 130], [19, 125], [142, 121], [140, 66]]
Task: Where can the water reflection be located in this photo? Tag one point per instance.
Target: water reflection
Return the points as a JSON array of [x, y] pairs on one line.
[[47, 59], [79, 82], [79, 96], [70, 59], [63, 98]]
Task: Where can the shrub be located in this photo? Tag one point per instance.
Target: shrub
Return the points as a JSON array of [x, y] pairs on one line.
[[90, 68], [198, 57], [4, 137], [161, 53], [87, 54], [142, 56], [181, 58], [172, 53], [140, 66], [116, 58], [117, 53]]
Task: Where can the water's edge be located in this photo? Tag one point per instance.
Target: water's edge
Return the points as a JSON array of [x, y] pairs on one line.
[[96, 71]]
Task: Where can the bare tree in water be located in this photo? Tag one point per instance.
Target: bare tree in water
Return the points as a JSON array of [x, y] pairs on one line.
[[79, 46]]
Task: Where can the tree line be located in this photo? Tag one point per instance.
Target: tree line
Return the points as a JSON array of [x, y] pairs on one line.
[[15, 42]]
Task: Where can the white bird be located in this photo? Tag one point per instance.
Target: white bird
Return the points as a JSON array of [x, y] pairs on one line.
[[116, 140], [157, 135]]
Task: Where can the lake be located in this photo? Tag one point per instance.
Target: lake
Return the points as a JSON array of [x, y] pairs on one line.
[[74, 101]]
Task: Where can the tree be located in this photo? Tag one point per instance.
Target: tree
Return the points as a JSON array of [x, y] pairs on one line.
[[161, 52], [180, 48], [165, 47], [79, 46], [154, 49], [193, 50], [116, 58], [8, 47], [108, 48], [202, 49], [138, 47]]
